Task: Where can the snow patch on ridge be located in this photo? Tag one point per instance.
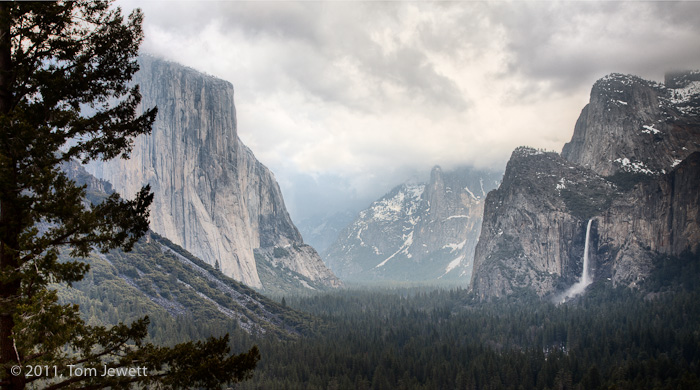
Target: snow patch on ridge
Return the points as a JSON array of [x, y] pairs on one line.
[[682, 98], [650, 130], [390, 209], [454, 247], [471, 193], [359, 233], [634, 166], [453, 264], [561, 185], [404, 249]]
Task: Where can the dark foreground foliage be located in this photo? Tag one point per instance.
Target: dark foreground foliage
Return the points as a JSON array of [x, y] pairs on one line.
[[613, 338], [65, 95]]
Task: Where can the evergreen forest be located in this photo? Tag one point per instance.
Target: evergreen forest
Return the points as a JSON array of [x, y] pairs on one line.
[[425, 338], [610, 338]]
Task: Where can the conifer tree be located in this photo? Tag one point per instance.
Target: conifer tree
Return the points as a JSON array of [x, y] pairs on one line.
[[64, 94]]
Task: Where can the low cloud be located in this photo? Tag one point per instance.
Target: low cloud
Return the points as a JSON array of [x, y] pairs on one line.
[[367, 92]]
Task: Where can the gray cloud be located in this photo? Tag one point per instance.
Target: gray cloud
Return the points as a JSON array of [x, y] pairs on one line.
[[357, 95], [311, 38], [570, 44]]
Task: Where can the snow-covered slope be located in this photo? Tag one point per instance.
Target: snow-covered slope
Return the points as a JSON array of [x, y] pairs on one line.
[[416, 232]]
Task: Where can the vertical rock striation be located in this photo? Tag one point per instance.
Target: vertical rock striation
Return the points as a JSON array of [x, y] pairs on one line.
[[660, 216], [212, 197], [533, 234], [632, 166], [635, 125]]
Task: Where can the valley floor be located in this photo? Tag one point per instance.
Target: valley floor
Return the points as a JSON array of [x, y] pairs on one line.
[[415, 338]]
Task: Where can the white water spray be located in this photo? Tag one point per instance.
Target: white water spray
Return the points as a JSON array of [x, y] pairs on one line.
[[585, 279]]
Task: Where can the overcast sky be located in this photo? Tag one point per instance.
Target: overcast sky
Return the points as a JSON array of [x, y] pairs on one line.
[[344, 100]]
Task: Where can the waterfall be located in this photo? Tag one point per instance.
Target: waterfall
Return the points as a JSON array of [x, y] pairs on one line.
[[585, 279]]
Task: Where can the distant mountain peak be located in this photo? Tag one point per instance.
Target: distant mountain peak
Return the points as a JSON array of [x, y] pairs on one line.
[[417, 232]]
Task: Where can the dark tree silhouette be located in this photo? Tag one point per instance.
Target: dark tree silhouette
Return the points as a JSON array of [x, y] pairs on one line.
[[65, 69]]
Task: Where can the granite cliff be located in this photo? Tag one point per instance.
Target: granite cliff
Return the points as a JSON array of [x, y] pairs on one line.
[[657, 217], [635, 125], [533, 231], [631, 167], [169, 284], [212, 196], [420, 232]]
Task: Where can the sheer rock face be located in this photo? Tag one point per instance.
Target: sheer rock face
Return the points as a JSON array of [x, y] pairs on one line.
[[631, 166], [635, 125], [417, 232], [533, 234], [212, 196], [660, 216]]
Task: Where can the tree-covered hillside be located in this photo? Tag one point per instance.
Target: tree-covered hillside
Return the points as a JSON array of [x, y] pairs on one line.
[[184, 297]]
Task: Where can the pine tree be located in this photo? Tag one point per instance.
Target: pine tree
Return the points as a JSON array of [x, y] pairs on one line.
[[64, 94]]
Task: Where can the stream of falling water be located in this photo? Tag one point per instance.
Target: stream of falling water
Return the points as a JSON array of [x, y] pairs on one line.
[[585, 279]]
